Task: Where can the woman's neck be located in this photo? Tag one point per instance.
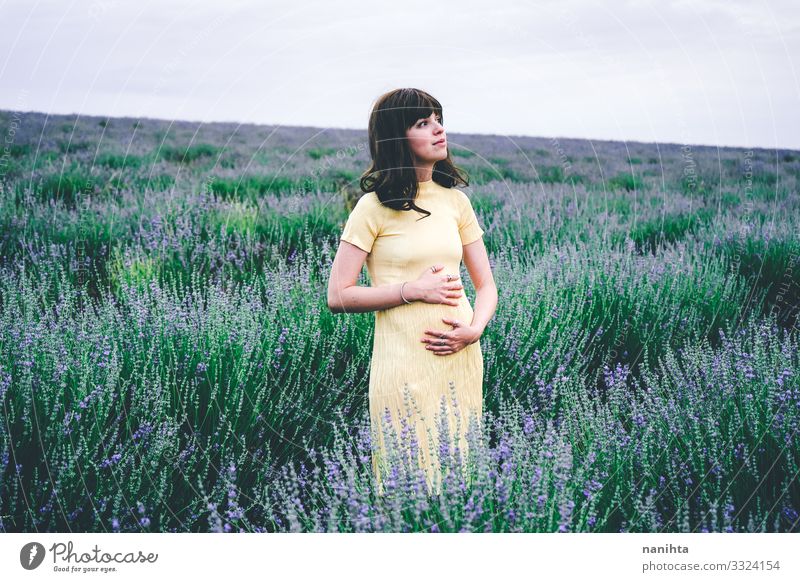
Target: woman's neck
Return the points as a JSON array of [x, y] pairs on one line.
[[424, 173]]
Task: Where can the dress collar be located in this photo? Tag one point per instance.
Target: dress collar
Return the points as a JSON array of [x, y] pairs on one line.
[[428, 187]]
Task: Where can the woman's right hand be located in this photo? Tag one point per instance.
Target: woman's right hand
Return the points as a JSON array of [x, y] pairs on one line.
[[433, 287]]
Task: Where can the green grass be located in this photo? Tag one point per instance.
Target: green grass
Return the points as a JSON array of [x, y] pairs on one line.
[[187, 154], [624, 181], [462, 153], [71, 147], [250, 187], [67, 187], [15, 150], [118, 161], [550, 174], [319, 153], [484, 174], [649, 235]]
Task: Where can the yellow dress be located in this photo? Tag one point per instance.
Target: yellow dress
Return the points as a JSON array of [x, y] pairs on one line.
[[400, 249]]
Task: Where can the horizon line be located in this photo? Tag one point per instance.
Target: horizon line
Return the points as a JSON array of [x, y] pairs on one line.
[[511, 136]]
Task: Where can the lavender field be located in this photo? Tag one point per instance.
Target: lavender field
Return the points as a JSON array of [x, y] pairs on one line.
[[168, 361]]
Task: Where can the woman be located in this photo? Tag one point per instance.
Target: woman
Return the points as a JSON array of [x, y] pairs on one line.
[[412, 227]]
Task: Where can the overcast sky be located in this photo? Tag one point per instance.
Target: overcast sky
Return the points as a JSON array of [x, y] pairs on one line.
[[718, 72]]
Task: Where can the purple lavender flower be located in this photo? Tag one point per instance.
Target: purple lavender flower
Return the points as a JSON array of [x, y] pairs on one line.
[[115, 458], [528, 427]]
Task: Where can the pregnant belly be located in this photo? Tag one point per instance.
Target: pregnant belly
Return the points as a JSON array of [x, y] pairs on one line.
[[401, 328]]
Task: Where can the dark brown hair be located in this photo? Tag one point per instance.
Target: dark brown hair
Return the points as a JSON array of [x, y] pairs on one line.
[[392, 175]]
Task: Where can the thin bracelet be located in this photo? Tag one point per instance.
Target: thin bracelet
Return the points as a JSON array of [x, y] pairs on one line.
[[401, 292]]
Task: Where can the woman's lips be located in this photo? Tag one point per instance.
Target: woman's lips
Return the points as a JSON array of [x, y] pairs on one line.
[[440, 142]]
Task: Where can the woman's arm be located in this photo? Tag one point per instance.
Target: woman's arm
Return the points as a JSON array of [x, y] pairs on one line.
[[480, 271], [344, 296]]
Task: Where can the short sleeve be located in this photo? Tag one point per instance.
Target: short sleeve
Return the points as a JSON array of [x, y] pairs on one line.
[[363, 224], [468, 226]]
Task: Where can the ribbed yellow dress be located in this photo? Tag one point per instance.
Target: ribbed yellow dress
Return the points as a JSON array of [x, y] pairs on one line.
[[400, 248]]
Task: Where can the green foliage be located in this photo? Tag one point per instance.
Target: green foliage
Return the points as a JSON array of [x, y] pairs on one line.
[[550, 174], [71, 147], [142, 183], [624, 181], [16, 150], [692, 185], [252, 186], [462, 153], [765, 178], [649, 235], [118, 161], [502, 162], [341, 177], [483, 174], [319, 153], [67, 187], [188, 154], [134, 271]]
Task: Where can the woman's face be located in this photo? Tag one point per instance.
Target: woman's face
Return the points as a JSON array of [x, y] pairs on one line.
[[427, 139]]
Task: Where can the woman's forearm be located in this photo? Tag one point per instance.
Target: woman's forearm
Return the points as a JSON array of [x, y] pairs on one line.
[[485, 305], [358, 299]]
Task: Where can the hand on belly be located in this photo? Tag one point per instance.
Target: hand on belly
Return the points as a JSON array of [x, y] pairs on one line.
[[450, 335]]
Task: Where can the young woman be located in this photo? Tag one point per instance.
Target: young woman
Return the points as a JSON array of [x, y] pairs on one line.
[[412, 227]]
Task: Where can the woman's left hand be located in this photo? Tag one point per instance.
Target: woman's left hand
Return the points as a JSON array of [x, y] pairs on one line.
[[442, 343]]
